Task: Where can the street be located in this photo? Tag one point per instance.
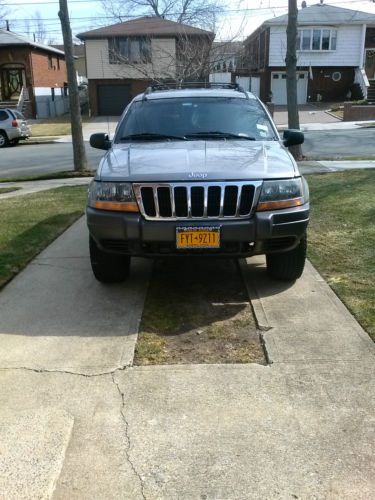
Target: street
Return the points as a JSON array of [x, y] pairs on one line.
[[330, 144], [28, 160], [37, 159]]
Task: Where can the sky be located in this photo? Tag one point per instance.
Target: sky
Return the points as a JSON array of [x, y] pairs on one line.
[[241, 17]]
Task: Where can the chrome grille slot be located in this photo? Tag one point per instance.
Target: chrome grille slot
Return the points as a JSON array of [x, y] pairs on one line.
[[197, 200], [164, 201], [213, 203], [148, 201], [180, 201], [230, 201]]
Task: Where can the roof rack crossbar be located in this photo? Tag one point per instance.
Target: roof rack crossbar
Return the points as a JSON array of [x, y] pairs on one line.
[[197, 85]]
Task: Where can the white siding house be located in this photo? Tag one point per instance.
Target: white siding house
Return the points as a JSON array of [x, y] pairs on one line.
[[334, 46]]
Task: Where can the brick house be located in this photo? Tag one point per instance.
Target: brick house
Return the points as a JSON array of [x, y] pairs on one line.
[[32, 76], [335, 55], [123, 59], [79, 60]]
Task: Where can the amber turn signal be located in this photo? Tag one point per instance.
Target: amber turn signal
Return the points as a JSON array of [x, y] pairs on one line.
[[130, 206], [274, 205]]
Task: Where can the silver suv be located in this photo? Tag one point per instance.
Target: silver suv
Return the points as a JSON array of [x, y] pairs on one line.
[[13, 127], [197, 171]]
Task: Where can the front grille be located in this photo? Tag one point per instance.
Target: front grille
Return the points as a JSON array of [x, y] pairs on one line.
[[209, 200]]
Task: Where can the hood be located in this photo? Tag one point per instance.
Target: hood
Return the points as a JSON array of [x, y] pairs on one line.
[[196, 160]]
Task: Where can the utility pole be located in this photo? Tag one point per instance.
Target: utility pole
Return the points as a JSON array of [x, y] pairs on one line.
[[291, 75], [79, 152]]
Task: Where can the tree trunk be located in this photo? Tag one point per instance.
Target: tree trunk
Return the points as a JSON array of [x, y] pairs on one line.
[[79, 152], [291, 76]]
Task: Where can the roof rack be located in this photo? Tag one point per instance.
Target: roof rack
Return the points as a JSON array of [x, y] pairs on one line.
[[193, 85]]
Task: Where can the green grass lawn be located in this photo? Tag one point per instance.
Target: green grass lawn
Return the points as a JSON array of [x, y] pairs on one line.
[[342, 238], [4, 190], [60, 125], [67, 174], [29, 223]]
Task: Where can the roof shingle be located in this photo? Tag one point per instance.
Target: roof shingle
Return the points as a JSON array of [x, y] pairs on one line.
[[326, 14], [145, 26]]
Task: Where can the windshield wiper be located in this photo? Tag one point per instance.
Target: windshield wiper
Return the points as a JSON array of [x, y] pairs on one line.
[[220, 135], [148, 136]]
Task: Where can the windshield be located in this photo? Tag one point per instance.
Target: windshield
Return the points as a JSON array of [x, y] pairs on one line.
[[195, 118]]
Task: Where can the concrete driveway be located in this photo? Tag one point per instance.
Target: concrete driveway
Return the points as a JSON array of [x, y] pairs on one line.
[[78, 421]]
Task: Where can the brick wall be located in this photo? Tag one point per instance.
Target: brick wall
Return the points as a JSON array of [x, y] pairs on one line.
[[354, 113], [46, 76]]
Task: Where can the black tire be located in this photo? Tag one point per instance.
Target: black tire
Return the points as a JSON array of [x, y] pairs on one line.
[[4, 141], [288, 266], [108, 267]]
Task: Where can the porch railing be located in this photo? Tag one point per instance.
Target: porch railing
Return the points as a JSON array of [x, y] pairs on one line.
[[361, 78], [24, 96]]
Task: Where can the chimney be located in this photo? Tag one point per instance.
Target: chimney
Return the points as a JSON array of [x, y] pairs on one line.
[[321, 2], [304, 4]]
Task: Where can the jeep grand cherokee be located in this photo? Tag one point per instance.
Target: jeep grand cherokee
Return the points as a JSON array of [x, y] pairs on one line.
[[197, 171]]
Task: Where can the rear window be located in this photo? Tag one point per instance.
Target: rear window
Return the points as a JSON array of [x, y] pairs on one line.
[[184, 116], [18, 115]]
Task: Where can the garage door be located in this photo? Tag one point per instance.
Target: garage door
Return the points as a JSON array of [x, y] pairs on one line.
[[278, 87], [112, 99]]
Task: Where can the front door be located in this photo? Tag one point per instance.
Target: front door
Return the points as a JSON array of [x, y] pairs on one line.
[[11, 83], [370, 64]]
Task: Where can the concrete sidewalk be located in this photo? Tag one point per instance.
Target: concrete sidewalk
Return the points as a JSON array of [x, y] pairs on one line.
[[78, 421]]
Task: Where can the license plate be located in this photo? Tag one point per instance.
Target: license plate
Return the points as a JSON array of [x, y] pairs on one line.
[[197, 237]]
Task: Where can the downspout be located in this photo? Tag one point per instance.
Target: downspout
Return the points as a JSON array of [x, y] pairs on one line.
[[363, 41], [32, 96]]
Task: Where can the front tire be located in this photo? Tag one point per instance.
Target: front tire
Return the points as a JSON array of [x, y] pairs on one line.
[[288, 266], [108, 267]]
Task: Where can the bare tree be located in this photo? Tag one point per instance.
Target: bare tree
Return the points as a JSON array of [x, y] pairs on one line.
[[200, 13], [291, 74], [79, 152], [3, 10], [184, 58], [39, 28]]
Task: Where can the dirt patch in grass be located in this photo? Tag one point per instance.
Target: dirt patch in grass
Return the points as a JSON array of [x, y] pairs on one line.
[[197, 311]]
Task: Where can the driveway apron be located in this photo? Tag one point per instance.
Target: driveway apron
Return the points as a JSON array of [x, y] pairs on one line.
[[76, 422]]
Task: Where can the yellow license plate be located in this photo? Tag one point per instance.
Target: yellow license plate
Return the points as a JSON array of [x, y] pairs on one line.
[[198, 237]]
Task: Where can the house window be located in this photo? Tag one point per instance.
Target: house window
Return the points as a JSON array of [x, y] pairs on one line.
[[58, 63], [50, 65], [316, 39], [129, 50]]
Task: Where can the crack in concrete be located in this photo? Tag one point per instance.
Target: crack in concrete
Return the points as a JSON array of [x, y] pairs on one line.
[[127, 451], [66, 372]]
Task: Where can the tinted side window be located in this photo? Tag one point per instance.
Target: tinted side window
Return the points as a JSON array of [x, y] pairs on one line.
[[3, 115]]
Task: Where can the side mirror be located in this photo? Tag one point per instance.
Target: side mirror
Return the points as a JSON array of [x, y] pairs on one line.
[[100, 141], [293, 137]]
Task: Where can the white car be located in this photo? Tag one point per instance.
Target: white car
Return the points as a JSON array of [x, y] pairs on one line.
[[13, 127]]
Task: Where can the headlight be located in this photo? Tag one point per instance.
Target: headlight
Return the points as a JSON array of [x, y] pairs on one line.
[[116, 196], [283, 194]]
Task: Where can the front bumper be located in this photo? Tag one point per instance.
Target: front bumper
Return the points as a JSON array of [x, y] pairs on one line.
[[265, 232]]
